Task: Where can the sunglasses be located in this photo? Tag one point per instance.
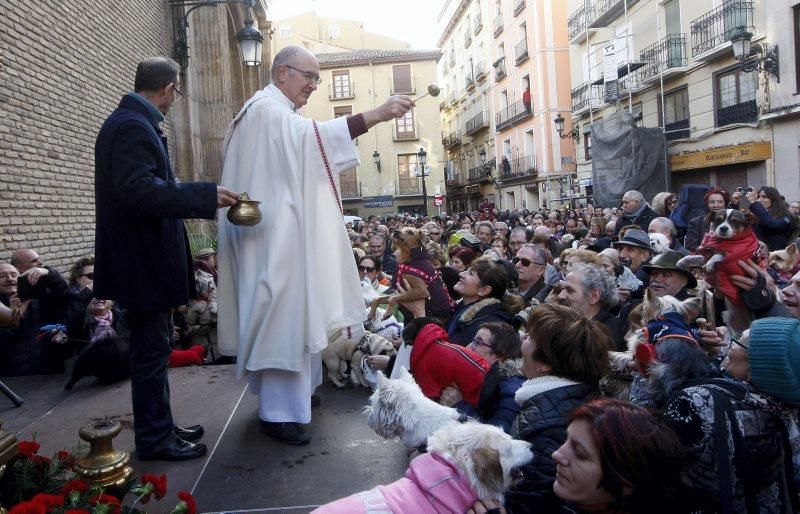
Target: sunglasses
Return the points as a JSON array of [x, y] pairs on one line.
[[526, 262], [89, 275], [366, 269]]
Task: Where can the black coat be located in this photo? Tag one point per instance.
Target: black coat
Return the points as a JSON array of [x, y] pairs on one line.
[[543, 422], [142, 257], [698, 227], [773, 231], [467, 319], [642, 220]]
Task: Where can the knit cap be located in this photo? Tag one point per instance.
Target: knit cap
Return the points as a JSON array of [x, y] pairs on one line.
[[775, 358]]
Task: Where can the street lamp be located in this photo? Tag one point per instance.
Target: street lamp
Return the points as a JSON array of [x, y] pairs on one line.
[[741, 42], [250, 39], [422, 157], [482, 155], [376, 158], [559, 121]]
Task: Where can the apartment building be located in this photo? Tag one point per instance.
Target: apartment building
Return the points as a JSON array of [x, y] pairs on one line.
[[321, 34], [671, 64], [468, 125], [531, 86]]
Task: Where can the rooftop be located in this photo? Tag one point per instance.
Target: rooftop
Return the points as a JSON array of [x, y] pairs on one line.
[[374, 56]]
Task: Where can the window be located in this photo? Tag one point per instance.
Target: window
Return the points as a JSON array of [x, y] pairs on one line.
[[675, 117], [344, 110], [285, 31], [405, 126], [334, 32], [407, 183], [341, 87], [735, 97], [587, 146], [636, 112], [402, 81]]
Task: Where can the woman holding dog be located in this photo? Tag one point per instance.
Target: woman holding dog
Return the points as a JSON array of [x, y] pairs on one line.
[[564, 355], [715, 199], [775, 223]]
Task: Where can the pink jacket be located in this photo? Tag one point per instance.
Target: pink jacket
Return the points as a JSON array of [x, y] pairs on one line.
[[431, 485]]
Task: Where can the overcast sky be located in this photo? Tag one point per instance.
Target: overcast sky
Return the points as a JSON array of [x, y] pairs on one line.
[[412, 20]]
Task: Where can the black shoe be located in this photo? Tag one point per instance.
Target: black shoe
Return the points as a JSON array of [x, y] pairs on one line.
[[177, 450], [289, 433], [316, 401], [192, 433]]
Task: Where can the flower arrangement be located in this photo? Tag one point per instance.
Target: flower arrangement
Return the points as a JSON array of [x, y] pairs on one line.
[[34, 484]]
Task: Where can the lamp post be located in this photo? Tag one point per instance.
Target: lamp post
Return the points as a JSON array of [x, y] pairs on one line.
[[376, 158], [250, 39], [422, 157], [741, 42], [559, 121]]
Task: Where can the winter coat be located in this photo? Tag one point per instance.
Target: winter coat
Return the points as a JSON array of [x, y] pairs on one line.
[[642, 220], [496, 403], [546, 405], [773, 231], [436, 364], [467, 319], [432, 485], [142, 257], [764, 456], [612, 323], [698, 227]]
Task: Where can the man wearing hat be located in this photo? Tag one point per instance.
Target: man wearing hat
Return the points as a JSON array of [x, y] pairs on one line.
[[634, 251], [668, 278]]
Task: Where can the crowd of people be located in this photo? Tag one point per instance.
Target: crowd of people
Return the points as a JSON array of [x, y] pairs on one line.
[[646, 380]]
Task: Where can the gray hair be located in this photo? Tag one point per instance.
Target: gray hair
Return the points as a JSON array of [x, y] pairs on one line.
[[634, 195], [517, 230], [539, 253], [484, 224], [500, 224], [154, 73], [594, 277], [664, 223], [284, 57]]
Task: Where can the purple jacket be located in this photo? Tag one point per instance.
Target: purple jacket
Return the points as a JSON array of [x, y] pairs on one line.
[[431, 485]]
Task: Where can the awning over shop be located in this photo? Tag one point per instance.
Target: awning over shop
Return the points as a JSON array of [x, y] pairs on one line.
[[747, 152]]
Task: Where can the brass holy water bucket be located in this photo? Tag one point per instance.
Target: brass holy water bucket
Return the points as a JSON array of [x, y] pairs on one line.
[[245, 212]]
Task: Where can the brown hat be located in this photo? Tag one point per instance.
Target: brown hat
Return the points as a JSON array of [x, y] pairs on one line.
[[669, 261]]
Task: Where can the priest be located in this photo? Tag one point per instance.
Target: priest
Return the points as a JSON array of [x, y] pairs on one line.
[[286, 282]]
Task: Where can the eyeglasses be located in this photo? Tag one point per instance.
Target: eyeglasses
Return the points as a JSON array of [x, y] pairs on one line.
[[89, 275], [311, 77], [738, 343], [526, 262], [516, 243], [176, 89], [434, 233], [366, 269], [477, 341]]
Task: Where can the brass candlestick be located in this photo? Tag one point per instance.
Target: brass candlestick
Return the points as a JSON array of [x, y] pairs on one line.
[[103, 465]]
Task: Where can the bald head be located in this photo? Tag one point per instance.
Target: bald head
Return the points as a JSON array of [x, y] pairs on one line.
[[295, 71], [24, 259]]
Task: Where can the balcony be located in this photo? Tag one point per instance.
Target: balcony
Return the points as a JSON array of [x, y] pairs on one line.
[[587, 96], [452, 139], [745, 112], [577, 23], [607, 11], [711, 32], [632, 82], [521, 52], [452, 60], [477, 123], [665, 58], [408, 186], [405, 135], [677, 130], [518, 168], [469, 82], [349, 187], [499, 70], [519, 5], [454, 179], [480, 173], [345, 91], [479, 71], [477, 25], [403, 86], [511, 114], [498, 25], [467, 39]]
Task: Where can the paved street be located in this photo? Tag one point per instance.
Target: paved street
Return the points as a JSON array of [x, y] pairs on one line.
[[245, 471]]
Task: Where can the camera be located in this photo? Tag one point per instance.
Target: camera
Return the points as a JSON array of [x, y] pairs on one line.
[[744, 189]]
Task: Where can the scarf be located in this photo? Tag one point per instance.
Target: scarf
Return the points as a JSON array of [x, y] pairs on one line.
[[635, 214], [103, 329]]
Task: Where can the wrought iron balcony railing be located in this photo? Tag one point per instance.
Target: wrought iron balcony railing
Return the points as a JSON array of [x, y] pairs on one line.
[[479, 71], [521, 51], [718, 25], [477, 25], [499, 70], [498, 25], [677, 130], [452, 139], [469, 81], [667, 54], [745, 112], [477, 122], [454, 179], [467, 39], [409, 186], [577, 23], [511, 114], [519, 167], [479, 173], [587, 96], [607, 11], [519, 5]]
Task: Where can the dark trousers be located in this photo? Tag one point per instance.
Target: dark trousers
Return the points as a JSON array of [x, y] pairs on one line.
[[151, 334]]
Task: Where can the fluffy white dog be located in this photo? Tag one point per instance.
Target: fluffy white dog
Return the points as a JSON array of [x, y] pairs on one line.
[[659, 243], [466, 462], [398, 408]]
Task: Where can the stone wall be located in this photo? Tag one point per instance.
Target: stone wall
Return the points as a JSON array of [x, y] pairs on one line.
[[65, 65]]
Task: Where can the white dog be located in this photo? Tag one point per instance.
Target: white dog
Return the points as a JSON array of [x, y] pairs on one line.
[[398, 408], [389, 328], [467, 462], [659, 243]]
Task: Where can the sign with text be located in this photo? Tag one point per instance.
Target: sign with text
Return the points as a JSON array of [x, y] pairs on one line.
[[374, 202], [748, 152]]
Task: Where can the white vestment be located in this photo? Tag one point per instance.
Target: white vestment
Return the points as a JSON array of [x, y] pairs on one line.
[[286, 282]]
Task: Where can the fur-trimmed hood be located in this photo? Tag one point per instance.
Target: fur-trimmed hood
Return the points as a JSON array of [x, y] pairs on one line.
[[540, 385], [509, 368], [472, 311]]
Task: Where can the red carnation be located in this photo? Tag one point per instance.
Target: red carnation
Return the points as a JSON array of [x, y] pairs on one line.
[[28, 448], [75, 485], [159, 484], [65, 458], [49, 500], [28, 508], [187, 505], [111, 502], [41, 460]]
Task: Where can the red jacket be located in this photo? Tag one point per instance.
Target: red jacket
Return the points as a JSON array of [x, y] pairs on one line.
[[741, 247], [436, 363]]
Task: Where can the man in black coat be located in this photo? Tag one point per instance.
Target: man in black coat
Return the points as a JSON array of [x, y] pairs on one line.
[[142, 250], [635, 211]]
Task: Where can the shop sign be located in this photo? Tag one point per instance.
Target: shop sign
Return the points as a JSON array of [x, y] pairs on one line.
[[372, 202], [748, 152]]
